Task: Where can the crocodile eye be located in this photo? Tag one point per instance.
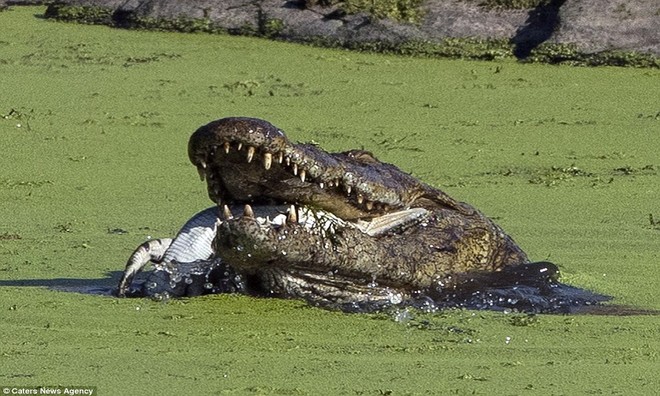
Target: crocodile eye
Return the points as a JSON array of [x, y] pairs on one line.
[[363, 156]]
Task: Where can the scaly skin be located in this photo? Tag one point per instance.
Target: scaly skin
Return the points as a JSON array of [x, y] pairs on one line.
[[250, 161]]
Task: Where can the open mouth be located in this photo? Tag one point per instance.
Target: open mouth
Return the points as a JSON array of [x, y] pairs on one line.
[[246, 160]]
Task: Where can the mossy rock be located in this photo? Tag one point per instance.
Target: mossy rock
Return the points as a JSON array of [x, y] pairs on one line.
[[469, 29]]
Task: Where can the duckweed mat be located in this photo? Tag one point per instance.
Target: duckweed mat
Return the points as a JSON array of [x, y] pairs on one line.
[[94, 124]]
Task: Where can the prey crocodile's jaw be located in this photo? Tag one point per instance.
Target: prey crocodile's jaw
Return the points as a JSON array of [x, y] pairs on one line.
[[247, 160]]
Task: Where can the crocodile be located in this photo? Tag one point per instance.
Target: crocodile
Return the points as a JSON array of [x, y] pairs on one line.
[[340, 230]]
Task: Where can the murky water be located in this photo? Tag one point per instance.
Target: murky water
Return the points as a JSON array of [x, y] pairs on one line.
[[531, 288]]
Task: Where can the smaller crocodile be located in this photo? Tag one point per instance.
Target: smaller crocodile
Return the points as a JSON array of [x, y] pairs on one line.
[[340, 230]]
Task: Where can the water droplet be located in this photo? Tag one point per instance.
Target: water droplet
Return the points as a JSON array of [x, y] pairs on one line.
[[188, 280], [402, 316], [151, 285], [395, 298], [208, 285]]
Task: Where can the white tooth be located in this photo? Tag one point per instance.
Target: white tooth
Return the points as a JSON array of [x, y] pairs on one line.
[[370, 205], [240, 146], [281, 157], [202, 172], [226, 146], [268, 160], [227, 213], [292, 216], [321, 184], [247, 211], [348, 190], [295, 169], [360, 198], [250, 154], [302, 175], [288, 161], [330, 184]]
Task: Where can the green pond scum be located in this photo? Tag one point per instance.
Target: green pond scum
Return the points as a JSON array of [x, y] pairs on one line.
[[94, 124]]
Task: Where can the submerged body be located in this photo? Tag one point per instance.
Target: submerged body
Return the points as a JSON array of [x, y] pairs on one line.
[[353, 231]]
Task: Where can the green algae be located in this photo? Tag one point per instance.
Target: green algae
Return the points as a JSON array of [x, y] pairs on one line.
[[94, 124]]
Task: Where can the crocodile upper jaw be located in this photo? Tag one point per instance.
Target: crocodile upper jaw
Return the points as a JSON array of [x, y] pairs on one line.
[[247, 160]]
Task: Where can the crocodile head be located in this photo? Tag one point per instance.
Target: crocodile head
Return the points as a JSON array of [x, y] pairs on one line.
[[247, 160]]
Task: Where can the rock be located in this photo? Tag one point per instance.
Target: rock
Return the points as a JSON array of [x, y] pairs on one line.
[[234, 16], [458, 28], [595, 26]]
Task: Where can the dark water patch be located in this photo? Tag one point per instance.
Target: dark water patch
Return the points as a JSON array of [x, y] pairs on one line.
[[189, 280], [101, 287]]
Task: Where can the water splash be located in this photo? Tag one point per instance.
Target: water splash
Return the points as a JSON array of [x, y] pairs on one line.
[[189, 280], [530, 288]]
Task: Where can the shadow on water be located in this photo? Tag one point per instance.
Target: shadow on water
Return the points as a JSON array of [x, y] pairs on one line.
[[100, 286]]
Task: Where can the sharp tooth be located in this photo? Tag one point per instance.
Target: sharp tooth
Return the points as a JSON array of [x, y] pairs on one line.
[[331, 184], [202, 172], [227, 213], [370, 205], [360, 198], [288, 161], [226, 146], [292, 217], [322, 185], [295, 169], [302, 175], [281, 157], [247, 211], [250, 154], [348, 190], [268, 160], [240, 146]]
